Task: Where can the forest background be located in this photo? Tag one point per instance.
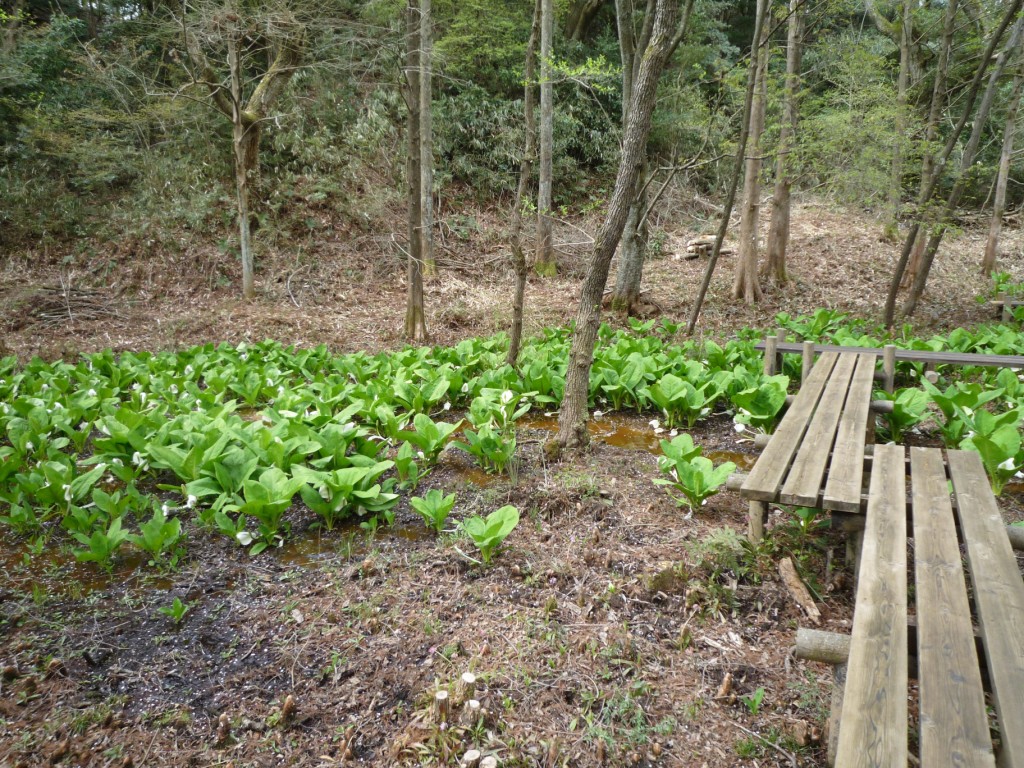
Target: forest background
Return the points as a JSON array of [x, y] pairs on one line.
[[122, 150]]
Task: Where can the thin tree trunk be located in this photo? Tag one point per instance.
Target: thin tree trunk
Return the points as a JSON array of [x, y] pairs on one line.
[[426, 140], [515, 334], [572, 419], [737, 170], [545, 261], [238, 144], [889, 312], [746, 285], [932, 128], [11, 32], [988, 263], [630, 272], [967, 159], [778, 233], [415, 322], [902, 84]]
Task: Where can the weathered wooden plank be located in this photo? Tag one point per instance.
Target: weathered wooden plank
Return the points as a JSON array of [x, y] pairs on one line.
[[873, 731], [763, 482], [913, 355], [804, 481], [998, 597], [843, 488], [954, 727]]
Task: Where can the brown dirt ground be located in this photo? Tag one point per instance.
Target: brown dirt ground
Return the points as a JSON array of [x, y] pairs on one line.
[[601, 635]]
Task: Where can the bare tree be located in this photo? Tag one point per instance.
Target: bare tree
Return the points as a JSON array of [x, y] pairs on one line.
[[632, 246], [426, 140], [415, 320], [932, 126], [746, 285], [272, 41], [572, 419], [545, 259], [778, 234], [967, 159], [889, 312], [988, 263], [515, 335], [737, 170]]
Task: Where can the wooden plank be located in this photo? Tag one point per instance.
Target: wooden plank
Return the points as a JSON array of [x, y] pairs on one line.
[[763, 482], [874, 727], [913, 355], [954, 726], [998, 597], [843, 489], [804, 481]]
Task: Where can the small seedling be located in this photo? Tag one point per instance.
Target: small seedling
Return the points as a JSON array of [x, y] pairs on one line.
[[488, 534], [176, 611], [753, 701], [434, 508]]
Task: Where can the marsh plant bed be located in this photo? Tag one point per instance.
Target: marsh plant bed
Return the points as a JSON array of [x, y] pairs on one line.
[[605, 630]]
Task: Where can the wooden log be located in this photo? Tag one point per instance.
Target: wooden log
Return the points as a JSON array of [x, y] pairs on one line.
[[798, 590], [825, 647], [466, 688], [757, 516], [441, 705], [1016, 536], [836, 711]]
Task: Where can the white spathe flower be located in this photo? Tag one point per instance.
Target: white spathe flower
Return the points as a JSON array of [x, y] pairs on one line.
[[83, 426], [165, 509], [91, 393], [420, 455], [280, 391], [654, 423], [117, 462], [968, 411], [138, 459], [598, 414], [270, 382], [1008, 464], [136, 387], [673, 433], [325, 493], [57, 406], [447, 406], [190, 502], [658, 430], [507, 396], [29, 446], [739, 426], [244, 538], [465, 388], [173, 389], [142, 397], [44, 387], [67, 493]]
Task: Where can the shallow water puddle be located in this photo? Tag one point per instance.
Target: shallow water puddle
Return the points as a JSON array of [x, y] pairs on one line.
[[56, 571], [628, 432]]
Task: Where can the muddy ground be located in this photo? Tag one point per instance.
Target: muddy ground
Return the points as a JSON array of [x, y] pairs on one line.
[[610, 630]]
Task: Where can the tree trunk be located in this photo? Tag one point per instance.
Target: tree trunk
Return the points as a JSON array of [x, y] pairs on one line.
[[988, 263], [902, 84], [572, 419], [426, 141], [889, 312], [415, 322], [239, 146], [932, 128], [967, 159], [545, 261], [778, 233], [581, 13], [741, 148], [746, 285], [515, 334]]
